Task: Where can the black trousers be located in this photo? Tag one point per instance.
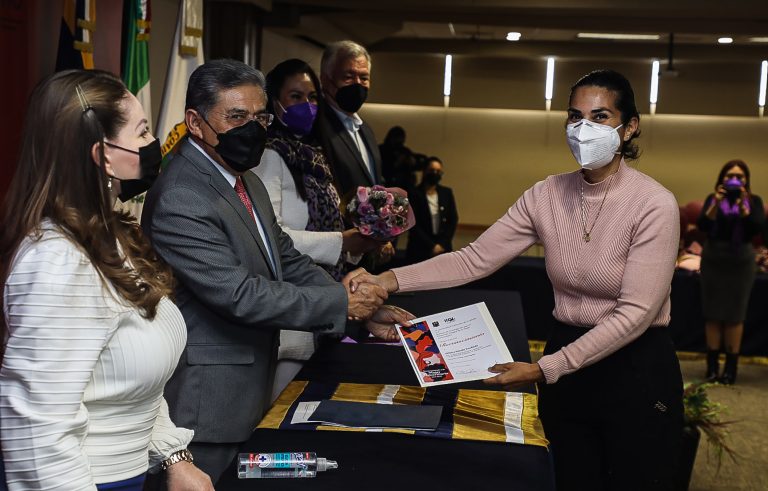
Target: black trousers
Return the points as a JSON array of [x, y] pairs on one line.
[[616, 424]]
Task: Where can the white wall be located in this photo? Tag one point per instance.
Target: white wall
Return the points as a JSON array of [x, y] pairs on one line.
[[492, 155]]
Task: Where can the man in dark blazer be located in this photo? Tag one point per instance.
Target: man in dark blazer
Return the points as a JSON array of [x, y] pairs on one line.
[[239, 279], [348, 142]]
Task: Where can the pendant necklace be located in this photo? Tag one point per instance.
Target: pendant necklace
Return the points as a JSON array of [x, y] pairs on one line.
[[588, 232]]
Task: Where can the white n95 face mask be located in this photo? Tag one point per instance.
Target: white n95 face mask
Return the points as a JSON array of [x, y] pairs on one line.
[[593, 145]]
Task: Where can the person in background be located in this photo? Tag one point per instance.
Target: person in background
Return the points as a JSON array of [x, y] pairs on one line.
[[436, 217], [240, 280], [90, 334], [299, 181], [610, 387], [348, 142], [397, 161], [731, 217]]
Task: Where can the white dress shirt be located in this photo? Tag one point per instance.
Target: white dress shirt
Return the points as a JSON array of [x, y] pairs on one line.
[[81, 383], [352, 124]]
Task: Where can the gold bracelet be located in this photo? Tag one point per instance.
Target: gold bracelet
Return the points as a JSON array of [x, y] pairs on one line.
[[177, 457]]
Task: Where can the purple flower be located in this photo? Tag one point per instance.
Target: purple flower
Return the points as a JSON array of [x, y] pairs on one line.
[[366, 209]]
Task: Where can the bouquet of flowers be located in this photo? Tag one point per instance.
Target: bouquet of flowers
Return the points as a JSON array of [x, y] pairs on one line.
[[379, 212]]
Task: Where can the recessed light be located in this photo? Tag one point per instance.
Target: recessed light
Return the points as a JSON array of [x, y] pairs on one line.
[[513, 36], [725, 40], [623, 37], [759, 40]]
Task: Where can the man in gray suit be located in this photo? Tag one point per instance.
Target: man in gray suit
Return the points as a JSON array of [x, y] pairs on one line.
[[239, 279]]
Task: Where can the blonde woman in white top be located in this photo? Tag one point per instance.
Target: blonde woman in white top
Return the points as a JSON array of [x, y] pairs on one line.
[[90, 336]]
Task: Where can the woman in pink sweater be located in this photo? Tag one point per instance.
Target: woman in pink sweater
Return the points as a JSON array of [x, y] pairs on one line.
[[610, 386]]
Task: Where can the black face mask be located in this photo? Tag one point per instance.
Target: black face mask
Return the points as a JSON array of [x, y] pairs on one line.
[[350, 98], [432, 178], [150, 158], [241, 147]]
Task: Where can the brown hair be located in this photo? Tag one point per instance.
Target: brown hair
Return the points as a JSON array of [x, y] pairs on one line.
[[57, 179]]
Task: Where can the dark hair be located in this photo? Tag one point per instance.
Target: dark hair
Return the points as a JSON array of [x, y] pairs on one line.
[[57, 179], [625, 102], [395, 132], [277, 76], [210, 78], [730, 165], [275, 80]]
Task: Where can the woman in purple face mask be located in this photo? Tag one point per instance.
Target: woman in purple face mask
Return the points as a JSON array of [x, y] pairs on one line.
[[731, 218], [300, 184]]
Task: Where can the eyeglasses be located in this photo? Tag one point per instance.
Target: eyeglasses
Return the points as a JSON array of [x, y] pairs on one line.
[[239, 119], [265, 119]]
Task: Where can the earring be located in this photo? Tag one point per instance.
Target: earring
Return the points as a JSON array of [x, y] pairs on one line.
[[109, 184]]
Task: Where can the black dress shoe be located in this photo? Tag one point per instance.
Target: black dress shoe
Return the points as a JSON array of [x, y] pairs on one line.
[[713, 366], [731, 367]]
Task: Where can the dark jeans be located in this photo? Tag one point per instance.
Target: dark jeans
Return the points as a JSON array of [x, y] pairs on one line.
[[616, 424]]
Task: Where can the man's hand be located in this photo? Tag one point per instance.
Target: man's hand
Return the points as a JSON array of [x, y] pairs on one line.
[[381, 324], [365, 301], [515, 375], [184, 476]]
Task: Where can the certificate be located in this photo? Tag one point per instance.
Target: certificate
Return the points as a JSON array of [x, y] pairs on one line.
[[454, 346]]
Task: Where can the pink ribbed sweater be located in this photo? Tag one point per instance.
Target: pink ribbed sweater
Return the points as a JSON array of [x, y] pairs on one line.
[[618, 282]]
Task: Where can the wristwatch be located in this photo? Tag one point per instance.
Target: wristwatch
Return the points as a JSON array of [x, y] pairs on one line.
[[177, 457]]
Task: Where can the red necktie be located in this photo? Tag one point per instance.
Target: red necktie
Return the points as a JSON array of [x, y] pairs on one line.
[[243, 194]]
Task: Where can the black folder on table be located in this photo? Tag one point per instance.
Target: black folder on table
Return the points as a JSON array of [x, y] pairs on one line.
[[371, 415]]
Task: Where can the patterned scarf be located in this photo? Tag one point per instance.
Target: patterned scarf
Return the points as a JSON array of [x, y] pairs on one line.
[[322, 198]]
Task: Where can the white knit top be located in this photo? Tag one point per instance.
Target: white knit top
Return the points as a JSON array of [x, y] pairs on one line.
[[81, 384]]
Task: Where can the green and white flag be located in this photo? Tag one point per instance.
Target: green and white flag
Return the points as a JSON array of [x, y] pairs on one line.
[[136, 52], [136, 24]]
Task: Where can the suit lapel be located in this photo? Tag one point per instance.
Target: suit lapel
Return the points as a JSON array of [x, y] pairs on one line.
[[220, 184], [370, 141]]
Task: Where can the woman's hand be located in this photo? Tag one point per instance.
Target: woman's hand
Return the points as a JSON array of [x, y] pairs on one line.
[[357, 244], [515, 375], [743, 200], [386, 280], [386, 253], [720, 193], [184, 476]]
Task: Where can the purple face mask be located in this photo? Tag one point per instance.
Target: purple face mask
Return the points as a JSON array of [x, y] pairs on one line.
[[299, 118]]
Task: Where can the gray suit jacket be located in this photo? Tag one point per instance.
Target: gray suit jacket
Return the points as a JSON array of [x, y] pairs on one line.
[[233, 303]]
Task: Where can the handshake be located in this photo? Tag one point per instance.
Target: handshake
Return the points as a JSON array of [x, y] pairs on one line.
[[367, 293]]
